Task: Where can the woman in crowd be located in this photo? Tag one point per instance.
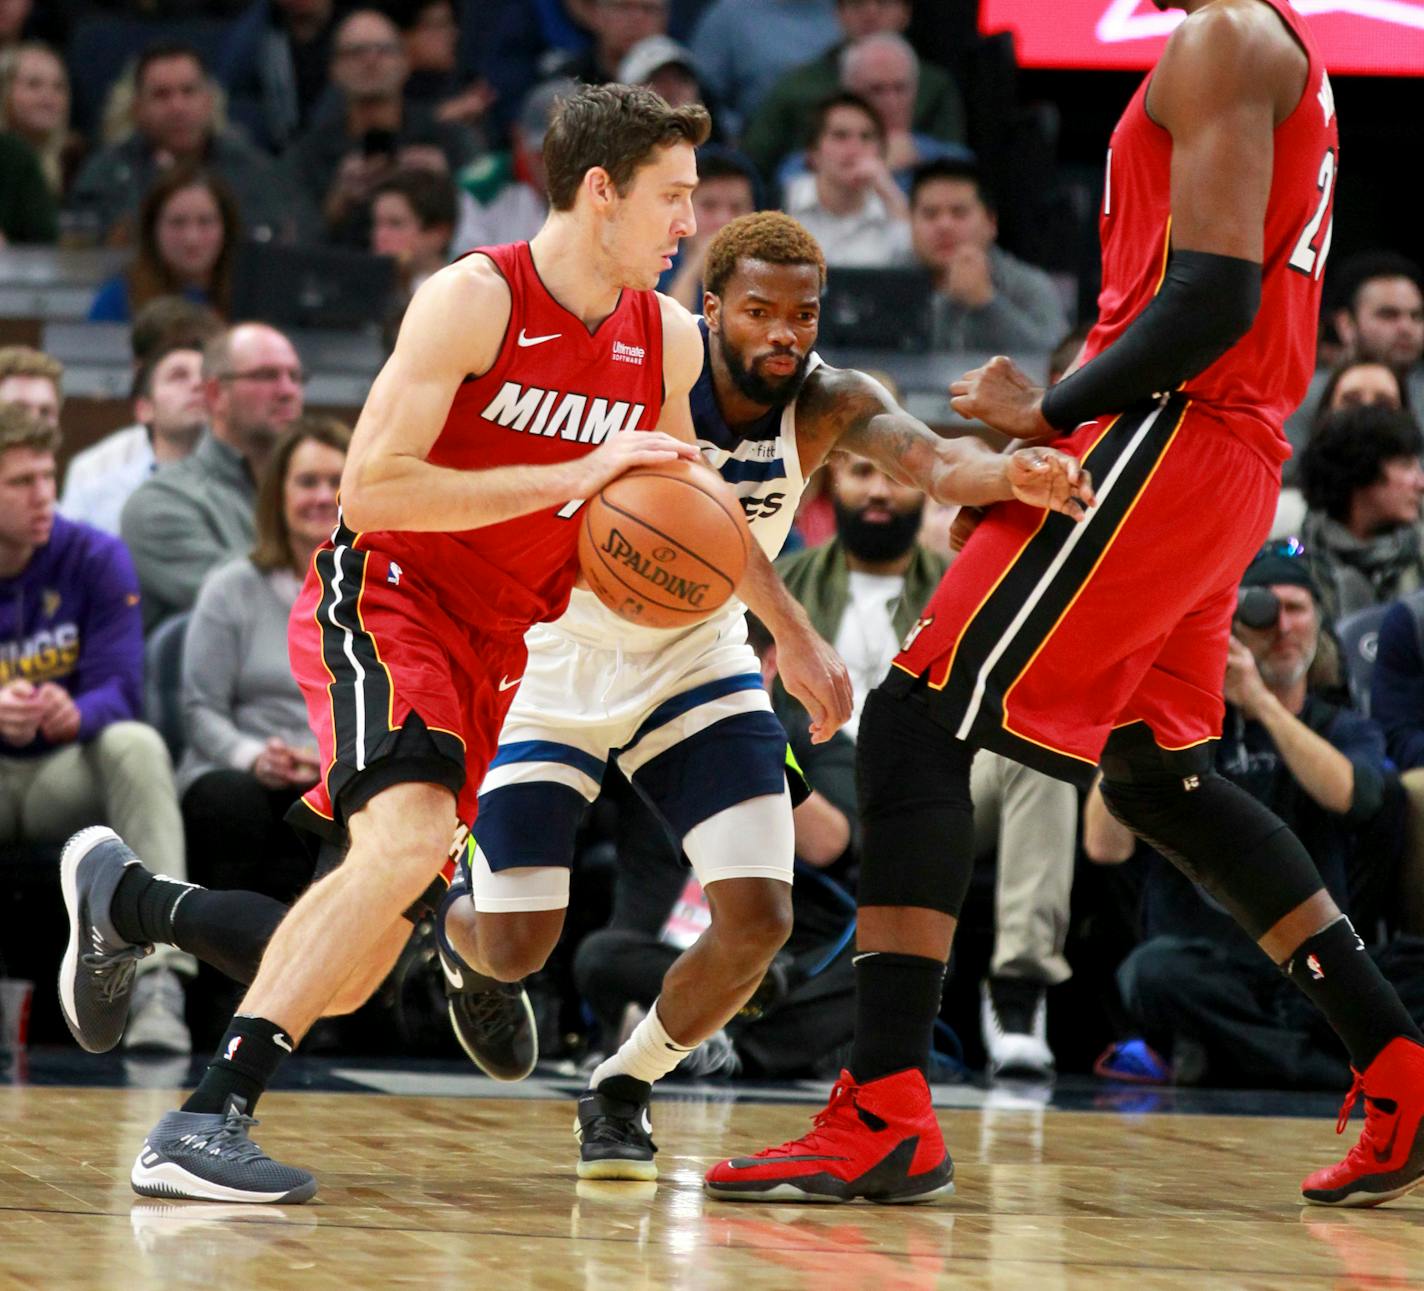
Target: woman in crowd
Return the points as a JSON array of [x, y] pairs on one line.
[[1358, 383], [250, 752], [188, 235], [34, 104]]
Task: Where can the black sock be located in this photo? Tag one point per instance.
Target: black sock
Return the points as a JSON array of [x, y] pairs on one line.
[[228, 930], [896, 1003], [1346, 985], [143, 906], [248, 1058]]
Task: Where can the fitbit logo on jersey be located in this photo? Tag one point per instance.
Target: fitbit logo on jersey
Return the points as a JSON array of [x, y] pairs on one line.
[[621, 549], [552, 412]]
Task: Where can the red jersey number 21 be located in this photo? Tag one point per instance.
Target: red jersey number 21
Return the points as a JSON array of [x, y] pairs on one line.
[[1310, 249]]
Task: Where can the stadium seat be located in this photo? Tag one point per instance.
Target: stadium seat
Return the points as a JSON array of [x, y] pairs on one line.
[[163, 683]]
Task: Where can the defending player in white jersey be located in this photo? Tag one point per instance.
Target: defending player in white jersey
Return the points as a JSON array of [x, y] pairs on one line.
[[683, 711]]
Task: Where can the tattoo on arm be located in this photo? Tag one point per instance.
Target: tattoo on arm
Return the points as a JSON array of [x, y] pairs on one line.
[[861, 417]]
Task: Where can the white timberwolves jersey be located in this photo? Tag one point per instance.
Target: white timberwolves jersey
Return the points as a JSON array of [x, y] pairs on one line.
[[762, 466]]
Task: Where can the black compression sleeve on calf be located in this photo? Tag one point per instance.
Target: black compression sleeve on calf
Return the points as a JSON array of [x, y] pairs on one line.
[[916, 815], [1219, 837], [1344, 983], [228, 930], [1206, 304]]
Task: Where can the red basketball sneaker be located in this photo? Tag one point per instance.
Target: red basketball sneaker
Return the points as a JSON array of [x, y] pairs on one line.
[[879, 1141], [1389, 1158]]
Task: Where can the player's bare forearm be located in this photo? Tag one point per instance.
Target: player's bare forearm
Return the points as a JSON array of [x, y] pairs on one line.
[[765, 595], [399, 492]]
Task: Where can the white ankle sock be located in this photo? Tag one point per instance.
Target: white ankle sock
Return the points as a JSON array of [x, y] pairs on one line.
[[648, 1054]]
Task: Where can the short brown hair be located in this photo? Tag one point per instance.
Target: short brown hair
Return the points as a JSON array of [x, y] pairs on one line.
[[23, 361], [615, 127], [821, 119], [273, 549], [20, 429], [772, 236], [172, 322]]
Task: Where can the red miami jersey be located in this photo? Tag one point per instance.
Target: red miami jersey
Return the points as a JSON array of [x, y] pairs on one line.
[[555, 392], [1261, 379]]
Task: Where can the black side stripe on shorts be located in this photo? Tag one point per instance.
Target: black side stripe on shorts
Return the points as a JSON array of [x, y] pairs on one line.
[[360, 687], [1033, 596]]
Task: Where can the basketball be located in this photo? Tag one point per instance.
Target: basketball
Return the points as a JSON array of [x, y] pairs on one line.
[[664, 545]]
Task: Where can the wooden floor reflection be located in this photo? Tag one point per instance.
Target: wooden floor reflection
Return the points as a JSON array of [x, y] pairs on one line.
[[480, 1194]]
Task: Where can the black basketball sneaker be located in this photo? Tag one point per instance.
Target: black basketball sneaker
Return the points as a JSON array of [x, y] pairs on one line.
[[492, 1020], [615, 1132]]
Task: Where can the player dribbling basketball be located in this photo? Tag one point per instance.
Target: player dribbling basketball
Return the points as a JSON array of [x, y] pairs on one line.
[[684, 713]]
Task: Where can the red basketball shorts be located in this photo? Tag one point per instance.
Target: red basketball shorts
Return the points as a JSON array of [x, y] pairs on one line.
[[396, 688], [1045, 635]]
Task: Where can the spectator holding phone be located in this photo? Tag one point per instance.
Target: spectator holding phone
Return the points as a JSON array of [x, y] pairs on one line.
[[342, 159], [250, 753]]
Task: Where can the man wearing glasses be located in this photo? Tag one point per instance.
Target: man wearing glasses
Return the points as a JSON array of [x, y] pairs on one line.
[[197, 513]]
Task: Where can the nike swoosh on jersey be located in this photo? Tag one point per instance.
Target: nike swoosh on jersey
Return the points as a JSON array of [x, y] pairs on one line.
[[505, 683], [525, 341]]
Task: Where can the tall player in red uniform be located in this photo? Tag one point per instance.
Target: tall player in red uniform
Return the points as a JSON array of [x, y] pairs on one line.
[[518, 376], [1064, 646]]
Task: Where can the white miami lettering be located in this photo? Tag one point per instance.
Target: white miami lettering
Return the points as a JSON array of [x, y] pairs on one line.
[[1326, 97], [575, 417]]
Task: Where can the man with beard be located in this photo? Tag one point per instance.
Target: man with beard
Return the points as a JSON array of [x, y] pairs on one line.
[[683, 711], [863, 591], [1196, 986]]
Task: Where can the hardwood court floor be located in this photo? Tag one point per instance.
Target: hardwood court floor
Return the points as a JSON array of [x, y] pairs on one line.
[[480, 1194]]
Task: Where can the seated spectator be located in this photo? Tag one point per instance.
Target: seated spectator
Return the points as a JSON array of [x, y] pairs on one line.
[[502, 194], [29, 211], [34, 106], [743, 47], [850, 203], [1353, 383], [172, 410], [616, 26], [1198, 986], [883, 70], [1363, 483], [99, 479], [341, 158], [726, 188], [784, 118], [174, 117], [430, 30], [72, 750], [412, 220], [188, 233], [274, 67], [1379, 318], [250, 754], [197, 514], [985, 298], [31, 379], [863, 591]]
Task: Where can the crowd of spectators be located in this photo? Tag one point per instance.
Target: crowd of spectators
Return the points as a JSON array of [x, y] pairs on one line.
[[157, 564]]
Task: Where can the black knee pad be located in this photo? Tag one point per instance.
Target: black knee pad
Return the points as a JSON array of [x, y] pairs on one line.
[[1218, 835], [916, 815]]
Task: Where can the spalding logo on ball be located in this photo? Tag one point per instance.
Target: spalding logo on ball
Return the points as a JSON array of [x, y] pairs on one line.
[[664, 545]]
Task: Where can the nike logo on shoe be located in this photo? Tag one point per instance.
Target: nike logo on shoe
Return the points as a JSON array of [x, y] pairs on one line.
[[525, 341], [751, 1163], [452, 974], [1382, 1155]]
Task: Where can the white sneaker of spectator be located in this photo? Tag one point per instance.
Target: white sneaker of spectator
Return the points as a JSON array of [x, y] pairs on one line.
[[714, 1057], [1014, 1018], [156, 1020]]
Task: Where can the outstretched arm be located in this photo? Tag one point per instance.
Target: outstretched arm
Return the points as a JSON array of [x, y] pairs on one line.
[[389, 484], [858, 415]]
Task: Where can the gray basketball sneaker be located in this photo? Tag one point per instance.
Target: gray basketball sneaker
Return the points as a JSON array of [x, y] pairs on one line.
[[97, 972], [208, 1156]]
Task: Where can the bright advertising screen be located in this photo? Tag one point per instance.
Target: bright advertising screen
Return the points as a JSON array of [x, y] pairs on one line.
[[1357, 37]]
